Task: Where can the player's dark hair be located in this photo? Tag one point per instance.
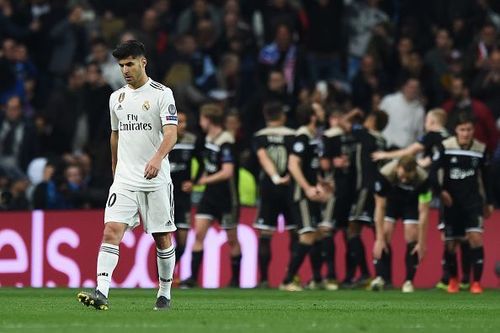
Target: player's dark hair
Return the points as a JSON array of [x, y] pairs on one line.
[[464, 118], [304, 114], [214, 113], [408, 163], [130, 48], [273, 111], [381, 119]]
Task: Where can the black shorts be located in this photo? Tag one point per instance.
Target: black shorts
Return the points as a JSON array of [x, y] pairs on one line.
[[459, 220], [274, 200], [182, 211], [306, 215], [221, 207], [399, 209], [335, 213], [363, 207]]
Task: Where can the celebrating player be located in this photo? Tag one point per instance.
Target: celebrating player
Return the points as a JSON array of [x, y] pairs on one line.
[[466, 197], [220, 199], [144, 130], [403, 192], [272, 144]]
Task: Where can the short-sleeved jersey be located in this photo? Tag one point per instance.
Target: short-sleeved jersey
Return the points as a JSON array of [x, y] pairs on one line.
[[307, 148], [215, 153], [277, 142], [180, 161], [391, 187], [369, 142], [465, 172], [139, 116], [337, 143], [432, 141]]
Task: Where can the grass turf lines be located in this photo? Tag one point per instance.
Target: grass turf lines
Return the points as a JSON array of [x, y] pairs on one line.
[[57, 310]]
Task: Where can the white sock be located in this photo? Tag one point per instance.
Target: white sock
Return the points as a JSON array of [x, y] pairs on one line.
[[165, 260], [106, 263]]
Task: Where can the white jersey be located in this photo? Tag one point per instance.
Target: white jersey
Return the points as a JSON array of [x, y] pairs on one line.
[[139, 116]]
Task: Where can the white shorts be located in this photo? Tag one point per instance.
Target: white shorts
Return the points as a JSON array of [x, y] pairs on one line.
[[156, 208]]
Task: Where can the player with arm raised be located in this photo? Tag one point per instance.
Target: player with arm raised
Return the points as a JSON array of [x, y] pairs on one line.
[[144, 130]]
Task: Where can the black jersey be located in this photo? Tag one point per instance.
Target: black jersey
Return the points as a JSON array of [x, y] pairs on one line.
[[391, 187], [432, 141], [307, 148], [216, 152], [465, 172], [180, 162], [277, 142], [368, 143], [339, 143]]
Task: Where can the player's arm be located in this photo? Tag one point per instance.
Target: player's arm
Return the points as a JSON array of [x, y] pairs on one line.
[[169, 139], [380, 244], [113, 141], [294, 167], [269, 167], [485, 176], [436, 176], [412, 149]]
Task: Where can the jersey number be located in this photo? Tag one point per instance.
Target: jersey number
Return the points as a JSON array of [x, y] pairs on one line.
[[279, 156]]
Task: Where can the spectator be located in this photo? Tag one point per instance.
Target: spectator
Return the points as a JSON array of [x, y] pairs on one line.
[[277, 13], [46, 194], [400, 58], [486, 85], [480, 50], [17, 138], [325, 36], [15, 198], [199, 10], [367, 81], [438, 58], [101, 55], [461, 102], [406, 115], [362, 17]]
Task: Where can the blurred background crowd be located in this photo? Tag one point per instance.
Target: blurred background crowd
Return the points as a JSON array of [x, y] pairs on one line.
[[57, 72]]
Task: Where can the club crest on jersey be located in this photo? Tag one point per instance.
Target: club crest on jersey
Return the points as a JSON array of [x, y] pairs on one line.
[[146, 106], [171, 109], [121, 97]]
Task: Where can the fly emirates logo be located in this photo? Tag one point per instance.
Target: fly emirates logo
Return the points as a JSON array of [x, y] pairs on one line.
[[133, 124]]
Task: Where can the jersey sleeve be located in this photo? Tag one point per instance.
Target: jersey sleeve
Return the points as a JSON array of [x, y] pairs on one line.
[[168, 111], [299, 146], [112, 114], [259, 141], [227, 153]]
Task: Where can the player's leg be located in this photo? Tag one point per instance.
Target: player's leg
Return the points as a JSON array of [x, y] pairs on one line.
[[383, 266], [327, 244], [411, 257], [454, 232], [264, 254], [182, 218], [474, 232], [235, 253], [121, 213], [466, 264], [307, 236], [165, 260], [201, 225]]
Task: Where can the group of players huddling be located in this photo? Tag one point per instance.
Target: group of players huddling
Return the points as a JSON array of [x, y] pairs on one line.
[[322, 180]]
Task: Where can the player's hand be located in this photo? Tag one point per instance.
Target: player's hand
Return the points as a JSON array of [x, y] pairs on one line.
[[202, 181], [379, 155], [152, 168], [487, 211], [284, 180], [446, 199], [312, 193], [322, 194], [419, 249], [187, 186], [378, 248], [424, 162]]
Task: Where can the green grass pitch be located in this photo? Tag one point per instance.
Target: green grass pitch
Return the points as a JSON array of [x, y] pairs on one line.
[[57, 310]]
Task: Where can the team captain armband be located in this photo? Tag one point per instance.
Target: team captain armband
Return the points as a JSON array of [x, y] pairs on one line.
[[425, 197]]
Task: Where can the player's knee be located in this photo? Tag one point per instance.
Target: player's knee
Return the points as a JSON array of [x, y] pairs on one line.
[[475, 239], [111, 234]]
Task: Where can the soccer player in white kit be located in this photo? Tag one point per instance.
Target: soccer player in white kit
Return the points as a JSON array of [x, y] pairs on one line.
[[144, 130]]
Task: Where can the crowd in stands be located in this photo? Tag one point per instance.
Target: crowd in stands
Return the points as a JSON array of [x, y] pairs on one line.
[[56, 74]]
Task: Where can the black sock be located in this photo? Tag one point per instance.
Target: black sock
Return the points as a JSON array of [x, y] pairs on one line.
[[179, 251], [264, 257], [329, 256], [296, 260], [411, 261], [451, 262], [465, 261], [363, 265], [196, 258], [477, 258], [351, 259], [380, 264], [446, 273], [316, 261], [235, 268], [387, 275], [294, 241]]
